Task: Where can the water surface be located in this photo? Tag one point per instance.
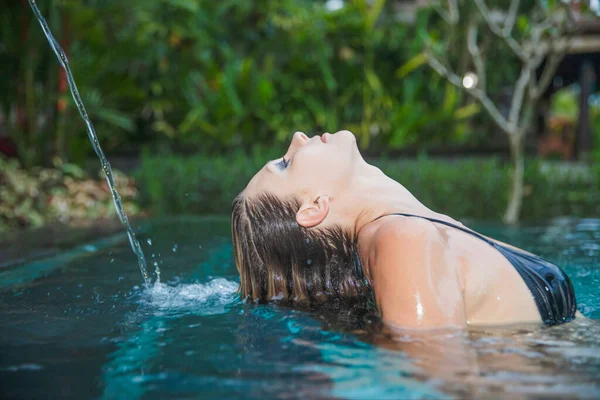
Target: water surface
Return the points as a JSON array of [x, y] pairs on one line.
[[80, 324]]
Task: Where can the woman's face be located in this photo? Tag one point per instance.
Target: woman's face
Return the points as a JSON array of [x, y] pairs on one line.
[[323, 163]]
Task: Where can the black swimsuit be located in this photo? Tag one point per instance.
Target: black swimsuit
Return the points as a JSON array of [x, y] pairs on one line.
[[550, 286]]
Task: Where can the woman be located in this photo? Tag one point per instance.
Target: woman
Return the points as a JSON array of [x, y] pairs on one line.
[[320, 223]]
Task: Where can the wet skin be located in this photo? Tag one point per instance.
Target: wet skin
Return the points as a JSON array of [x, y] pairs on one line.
[[424, 275]]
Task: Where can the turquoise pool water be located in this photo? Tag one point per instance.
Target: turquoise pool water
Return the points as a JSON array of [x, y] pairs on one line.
[[80, 325]]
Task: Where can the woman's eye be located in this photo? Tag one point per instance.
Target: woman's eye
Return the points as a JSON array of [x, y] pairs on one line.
[[283, 163]]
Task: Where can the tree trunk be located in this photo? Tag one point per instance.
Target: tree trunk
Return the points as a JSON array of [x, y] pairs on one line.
[[517, 150], [583, 143]]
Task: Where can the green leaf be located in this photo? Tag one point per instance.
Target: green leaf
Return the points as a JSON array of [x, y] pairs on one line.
[[467, 111], [191, 6], [192, 118], [164, 127], [327, 74], [228, 80], [411, 65], [373, 13], [450, 98], [373, 80], [73, 170], [523, 23], [264, 90], [116, 118]]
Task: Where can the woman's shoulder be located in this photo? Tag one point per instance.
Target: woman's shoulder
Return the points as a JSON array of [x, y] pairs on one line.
[[398, 240], [411, 269], [401, 231]]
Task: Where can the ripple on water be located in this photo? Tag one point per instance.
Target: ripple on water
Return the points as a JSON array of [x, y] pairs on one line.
[[194, 338], [23, 367]]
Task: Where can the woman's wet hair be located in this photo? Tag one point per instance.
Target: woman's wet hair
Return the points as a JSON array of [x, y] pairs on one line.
[[278, 259]]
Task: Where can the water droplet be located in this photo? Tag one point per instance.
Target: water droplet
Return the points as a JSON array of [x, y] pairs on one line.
[[174, 247], [200, 246], [112, 260], [309, 262], [149, 242], [278, 297]]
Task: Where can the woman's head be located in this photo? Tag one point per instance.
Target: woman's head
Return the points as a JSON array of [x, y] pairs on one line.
[[319, 167], [288, 244]]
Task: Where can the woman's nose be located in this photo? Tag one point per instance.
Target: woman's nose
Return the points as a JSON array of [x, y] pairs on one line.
[[298, 140]]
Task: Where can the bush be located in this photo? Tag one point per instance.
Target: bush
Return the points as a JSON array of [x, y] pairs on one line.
[[63, 193], [173, 71], [195, 184], [475, 188]]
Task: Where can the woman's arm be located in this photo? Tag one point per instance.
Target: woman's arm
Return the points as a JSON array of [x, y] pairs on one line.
[[415, 276]]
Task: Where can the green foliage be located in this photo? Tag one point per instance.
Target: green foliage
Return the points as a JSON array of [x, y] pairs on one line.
[[215, 75], [565, 104], [195, 184], [472, 188], [595, 124], [36, 197]]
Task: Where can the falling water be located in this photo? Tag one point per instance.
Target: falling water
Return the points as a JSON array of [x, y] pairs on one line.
[[64, 62]]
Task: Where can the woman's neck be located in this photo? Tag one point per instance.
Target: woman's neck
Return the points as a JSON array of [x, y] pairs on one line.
[[372, 195]]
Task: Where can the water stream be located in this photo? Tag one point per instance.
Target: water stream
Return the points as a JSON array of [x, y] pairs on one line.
[[64, 62]]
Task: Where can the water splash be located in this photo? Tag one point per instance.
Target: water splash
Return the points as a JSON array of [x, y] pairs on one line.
[[64, 62], [207, 298]]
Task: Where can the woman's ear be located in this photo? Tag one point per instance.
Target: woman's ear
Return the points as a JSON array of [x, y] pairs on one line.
[[313, 213]]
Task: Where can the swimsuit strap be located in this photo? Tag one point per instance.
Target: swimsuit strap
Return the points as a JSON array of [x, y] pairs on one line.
[[439, 221], [550, 287]]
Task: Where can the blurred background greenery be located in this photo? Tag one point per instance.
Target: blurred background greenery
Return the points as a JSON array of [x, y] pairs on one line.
[[189, 97]]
